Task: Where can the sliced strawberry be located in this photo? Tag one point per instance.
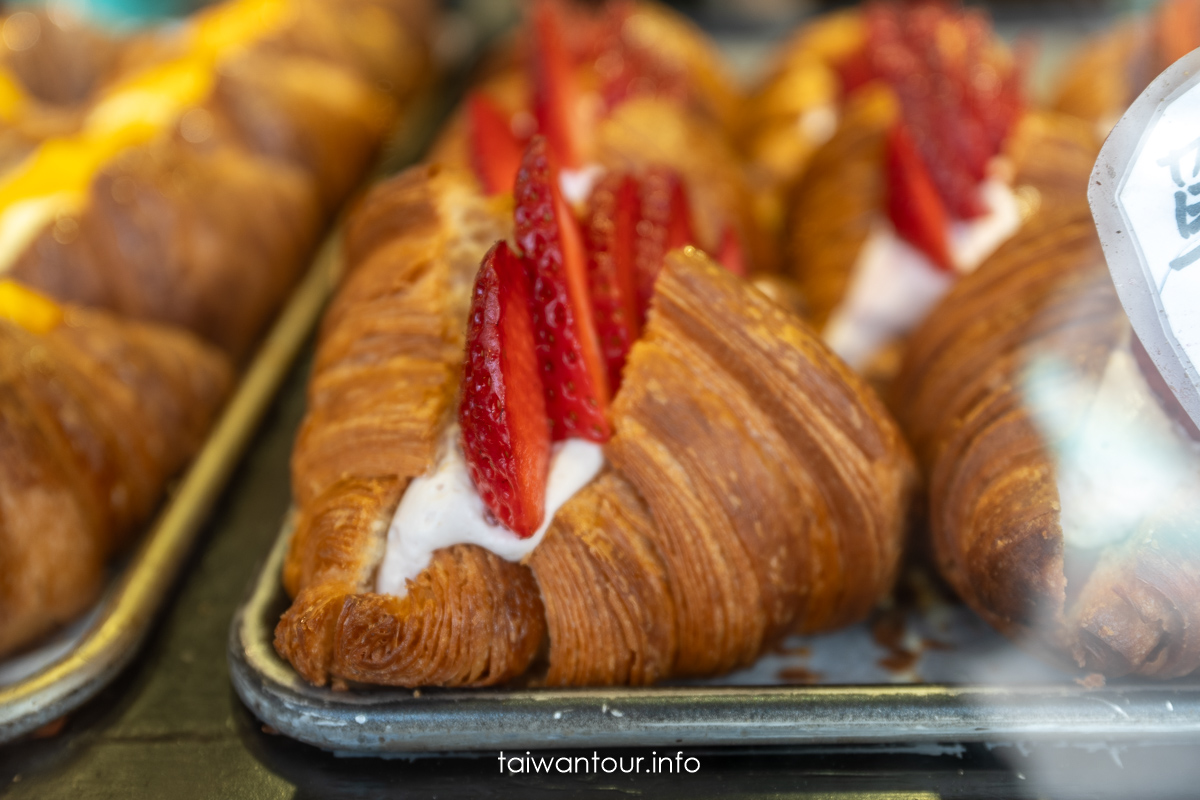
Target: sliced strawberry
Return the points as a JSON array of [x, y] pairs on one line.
[[612, 216], [555, 93], [957, 104], [730, 254], [913, 203], [854, 71], [495, 150], [628, 68], [568, 350], [664, 225], [502, 412]]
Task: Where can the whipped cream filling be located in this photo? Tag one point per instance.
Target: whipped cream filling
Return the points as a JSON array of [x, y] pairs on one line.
[[893, 285], [577, 184], [1119, 456], [442, 508], [819, 123]]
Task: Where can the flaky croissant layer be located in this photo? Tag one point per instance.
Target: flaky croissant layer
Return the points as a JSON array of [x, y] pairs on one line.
[[755, 485]]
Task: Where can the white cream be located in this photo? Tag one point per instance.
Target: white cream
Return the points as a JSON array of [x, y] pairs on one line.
[[576, 184], [442, 509], [1118, 455], [893, 285], [818, 124]]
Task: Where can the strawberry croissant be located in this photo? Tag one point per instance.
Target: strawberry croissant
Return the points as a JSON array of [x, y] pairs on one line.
[[897, 135], [739, 483], [629, 89]]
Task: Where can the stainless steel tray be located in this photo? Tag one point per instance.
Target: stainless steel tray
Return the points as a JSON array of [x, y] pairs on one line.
[[1022, 699]]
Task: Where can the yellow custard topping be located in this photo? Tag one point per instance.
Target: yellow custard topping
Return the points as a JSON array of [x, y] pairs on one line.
[[34, 312], [53, 180]]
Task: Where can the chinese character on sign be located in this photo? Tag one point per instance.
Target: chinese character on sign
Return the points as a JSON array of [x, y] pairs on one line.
[[1185, 172]]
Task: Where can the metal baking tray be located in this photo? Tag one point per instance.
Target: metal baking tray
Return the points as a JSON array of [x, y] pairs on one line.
[[936, 674], [72, 666]]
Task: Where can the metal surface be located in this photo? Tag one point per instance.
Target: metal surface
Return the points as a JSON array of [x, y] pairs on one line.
[[381, 722], [1132, 276], [127, 610]]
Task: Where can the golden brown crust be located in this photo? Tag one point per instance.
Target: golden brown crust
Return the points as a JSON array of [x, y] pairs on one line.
[[610, 613], [387, 366], [787, 117], [95, 417], [994, 499], [65, 61], [1104, 77], [832, 208], [211, 241], [674, 562]]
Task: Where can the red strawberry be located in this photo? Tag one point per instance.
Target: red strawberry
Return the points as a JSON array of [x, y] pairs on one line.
[[629, 68], [912, 200], [664, 225], [958, 106], [855, 71], [573, 370], [495, 150], [730, 254], [612, 216], [555, 93], [505, 437]]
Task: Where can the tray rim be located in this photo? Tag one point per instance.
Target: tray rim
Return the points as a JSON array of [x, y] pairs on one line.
[[130, 606], [394, 722]]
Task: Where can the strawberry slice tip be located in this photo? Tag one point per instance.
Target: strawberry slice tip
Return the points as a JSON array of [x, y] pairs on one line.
[[568, 350], [913, 203], [730, 254], [494, 149], [502, 411], [555, 93]]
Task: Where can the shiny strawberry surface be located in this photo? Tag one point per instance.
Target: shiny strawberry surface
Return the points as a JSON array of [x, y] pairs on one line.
[[502, 410], [568, 349]]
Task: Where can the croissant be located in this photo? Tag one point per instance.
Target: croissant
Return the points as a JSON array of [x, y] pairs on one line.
[[795, 108], [96, 415], [201, 175], [1110, 70], [1063, 490], [911, 189], [56, 59], [753, 485], [672, 107], [49, 67]]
